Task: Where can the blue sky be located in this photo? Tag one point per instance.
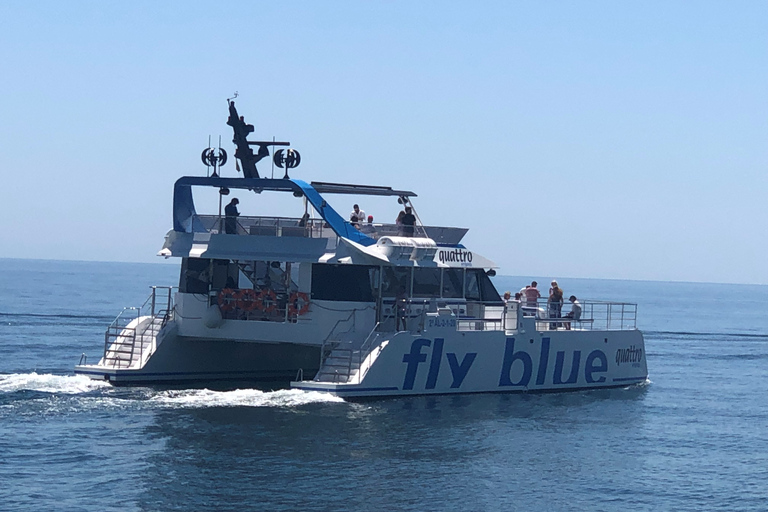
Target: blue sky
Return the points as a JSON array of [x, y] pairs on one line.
[[599, 139]]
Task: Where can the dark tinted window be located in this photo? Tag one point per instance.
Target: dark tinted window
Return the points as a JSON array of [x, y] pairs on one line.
[[471, 286], [426, 282], [488, 292], [342, 282], [479, 287], [394, 278], [453, 280], [195, 275]]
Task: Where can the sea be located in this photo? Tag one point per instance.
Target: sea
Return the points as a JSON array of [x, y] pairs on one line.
[[695, 437]]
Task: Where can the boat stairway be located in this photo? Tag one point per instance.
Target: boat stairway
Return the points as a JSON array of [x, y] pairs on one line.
[[134, 344], [348, 361]]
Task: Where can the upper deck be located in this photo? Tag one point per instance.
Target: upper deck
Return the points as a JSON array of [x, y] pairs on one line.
[[318, 228], [325, 224]]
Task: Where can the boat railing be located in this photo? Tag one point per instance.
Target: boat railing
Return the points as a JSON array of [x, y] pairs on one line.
[[128, 340], [365, 350], [331, 343], [595, 315], [495, 316], [318, 228]]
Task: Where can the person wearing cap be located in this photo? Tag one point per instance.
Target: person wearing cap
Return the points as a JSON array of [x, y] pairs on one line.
[[368, 226], [555, 303], [575, 311]]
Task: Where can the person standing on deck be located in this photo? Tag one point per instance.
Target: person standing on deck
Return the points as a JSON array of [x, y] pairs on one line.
[[555, 303], [231, 213], [408, 221], [532, 295]]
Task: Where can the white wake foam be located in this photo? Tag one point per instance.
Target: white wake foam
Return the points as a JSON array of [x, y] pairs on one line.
[[242, 397], [48, 383]]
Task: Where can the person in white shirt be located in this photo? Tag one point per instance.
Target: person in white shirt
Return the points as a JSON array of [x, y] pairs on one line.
[[575, 311], [357, 216]]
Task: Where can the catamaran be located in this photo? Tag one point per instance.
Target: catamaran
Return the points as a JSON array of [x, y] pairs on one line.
[[352, 308]]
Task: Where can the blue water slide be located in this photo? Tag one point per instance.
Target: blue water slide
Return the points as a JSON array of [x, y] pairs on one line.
[[185, 217]]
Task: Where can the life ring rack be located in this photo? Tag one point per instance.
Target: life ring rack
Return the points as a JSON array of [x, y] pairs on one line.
[[266, 300], [295, 299], [247, 300], [227, 300]]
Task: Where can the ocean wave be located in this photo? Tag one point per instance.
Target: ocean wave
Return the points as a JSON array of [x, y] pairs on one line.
[[196, 398], [48, 383]]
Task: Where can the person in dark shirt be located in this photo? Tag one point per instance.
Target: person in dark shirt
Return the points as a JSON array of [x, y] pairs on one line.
[[408, 220], [230, 223]]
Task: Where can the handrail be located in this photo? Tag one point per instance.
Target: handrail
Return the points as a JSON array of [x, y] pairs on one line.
[[318, 228], [332, 333], [365, 351], [115, 347]]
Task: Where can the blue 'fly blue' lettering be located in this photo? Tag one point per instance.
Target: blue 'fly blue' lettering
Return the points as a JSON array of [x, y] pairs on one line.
[[590, 367], [434, 364], [413, 359], [459, 371], [510, 356]]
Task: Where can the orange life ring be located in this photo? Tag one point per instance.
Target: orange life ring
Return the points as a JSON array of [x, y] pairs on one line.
[[294, 301], [227, 300], [247, 299], [266, 300]]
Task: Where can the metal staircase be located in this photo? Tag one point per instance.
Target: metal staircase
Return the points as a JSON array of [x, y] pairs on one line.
[[131, 338], [343, 360]]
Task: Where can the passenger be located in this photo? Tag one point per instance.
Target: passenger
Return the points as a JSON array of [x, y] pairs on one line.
[[399, 222], [231, 214], [357, 215], [507, 297], [408, 221], [304, 220], [518, 296], [368, 226], [555, 303], [532, 295], [401, 307], [575, 313]]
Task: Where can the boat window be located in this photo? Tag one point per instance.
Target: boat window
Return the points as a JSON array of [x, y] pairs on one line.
[[195, 275], [393, 279], [225, 275], [342, 282], [275, 275], [453, 281], [479, 287], [426, 282], [471, 286], [488, 293]]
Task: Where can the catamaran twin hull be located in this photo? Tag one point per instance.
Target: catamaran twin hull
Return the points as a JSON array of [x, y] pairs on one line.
[[442, 360]]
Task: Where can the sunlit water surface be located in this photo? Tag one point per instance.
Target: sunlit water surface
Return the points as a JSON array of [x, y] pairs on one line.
[[694, 438]]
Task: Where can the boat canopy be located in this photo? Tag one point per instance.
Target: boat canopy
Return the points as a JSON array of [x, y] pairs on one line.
[[185, 217]]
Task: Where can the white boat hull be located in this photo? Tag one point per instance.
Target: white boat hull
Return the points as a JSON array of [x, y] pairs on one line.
[[188, 360], [451, 361]]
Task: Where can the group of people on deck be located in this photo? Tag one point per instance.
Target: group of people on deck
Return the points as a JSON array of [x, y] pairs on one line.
[[529, 298], [405, 221]]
